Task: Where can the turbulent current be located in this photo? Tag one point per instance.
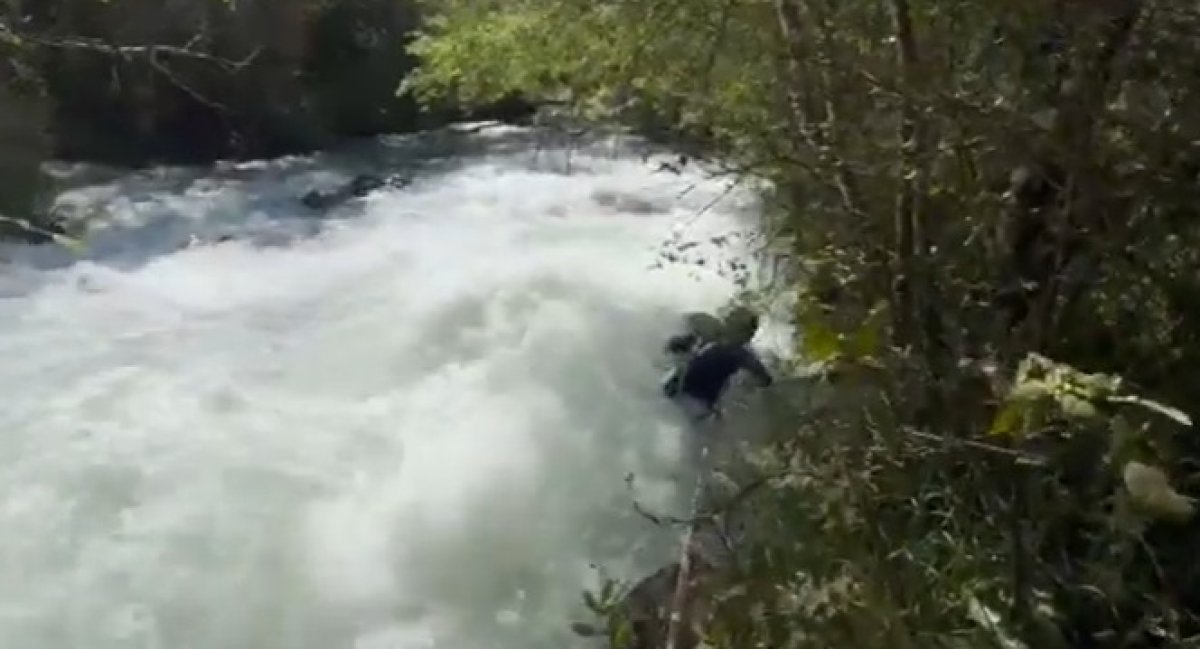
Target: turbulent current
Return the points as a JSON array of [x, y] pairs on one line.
[[235, 422]]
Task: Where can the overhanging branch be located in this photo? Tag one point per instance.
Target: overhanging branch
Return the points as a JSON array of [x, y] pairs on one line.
[[154, 54], [128, 52]]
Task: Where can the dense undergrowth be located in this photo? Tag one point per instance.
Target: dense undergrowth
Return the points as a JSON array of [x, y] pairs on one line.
[[994, 208]]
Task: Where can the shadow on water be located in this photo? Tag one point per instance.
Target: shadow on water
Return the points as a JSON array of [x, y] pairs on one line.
[[129, 218]]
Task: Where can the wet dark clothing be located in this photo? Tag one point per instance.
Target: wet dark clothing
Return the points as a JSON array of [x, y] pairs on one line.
[[683, 343], [708, 371]]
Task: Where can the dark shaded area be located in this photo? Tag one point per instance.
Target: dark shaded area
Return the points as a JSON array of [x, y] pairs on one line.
[[321, 72]]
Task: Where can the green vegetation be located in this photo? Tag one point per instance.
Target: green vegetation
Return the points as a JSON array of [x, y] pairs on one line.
[[994, 205]]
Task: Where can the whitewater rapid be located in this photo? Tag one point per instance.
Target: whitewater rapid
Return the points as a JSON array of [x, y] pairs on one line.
[[404, 423]]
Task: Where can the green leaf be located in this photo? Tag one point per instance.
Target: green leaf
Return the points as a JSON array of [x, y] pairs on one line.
[[1009, 420], [623, 635], [607, 590], [821, 343], [1153, 494], [74, 245], [1076, 407], [1097, 386], [866, 341], [589, 600], [1030, 390]]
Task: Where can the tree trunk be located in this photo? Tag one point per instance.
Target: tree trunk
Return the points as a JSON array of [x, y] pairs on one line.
[[24, 146], [909, 233]]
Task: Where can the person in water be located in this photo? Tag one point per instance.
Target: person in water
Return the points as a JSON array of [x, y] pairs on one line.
[[709, 355]]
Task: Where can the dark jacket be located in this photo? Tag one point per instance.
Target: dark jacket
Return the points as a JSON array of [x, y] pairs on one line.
[[705, 375]]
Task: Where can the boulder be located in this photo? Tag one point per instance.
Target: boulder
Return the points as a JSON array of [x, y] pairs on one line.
[[648, 606], [359, 187]]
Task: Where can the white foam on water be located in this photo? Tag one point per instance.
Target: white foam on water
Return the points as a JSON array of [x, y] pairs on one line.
[[405, 424]]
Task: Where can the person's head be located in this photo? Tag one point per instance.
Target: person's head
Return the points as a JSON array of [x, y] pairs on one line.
[[741, 323]]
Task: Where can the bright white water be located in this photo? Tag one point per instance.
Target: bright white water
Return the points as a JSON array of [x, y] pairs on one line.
[[405, 424]]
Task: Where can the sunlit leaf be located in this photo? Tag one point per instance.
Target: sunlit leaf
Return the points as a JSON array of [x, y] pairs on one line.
[[623, 634], [1008, 421], [867, 340], [1152, 492], [1030, 390], [77, 246], [821, 343], [1076, 407]]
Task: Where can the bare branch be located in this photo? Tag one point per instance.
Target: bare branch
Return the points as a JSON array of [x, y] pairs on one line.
[[127, 52], [713, 514], [151, 52], [178, 83], [1018, 456]]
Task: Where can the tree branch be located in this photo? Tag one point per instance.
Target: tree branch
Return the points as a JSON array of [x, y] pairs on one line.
[[152, 53], [1018, 456], [152, 59], [127, 52], [710, 516]]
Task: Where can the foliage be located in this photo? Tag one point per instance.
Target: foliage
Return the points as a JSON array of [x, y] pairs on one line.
[[1045, 390], [551, 51], [976, 188]]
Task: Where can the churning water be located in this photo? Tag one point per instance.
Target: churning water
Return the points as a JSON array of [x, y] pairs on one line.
[[403, 423]]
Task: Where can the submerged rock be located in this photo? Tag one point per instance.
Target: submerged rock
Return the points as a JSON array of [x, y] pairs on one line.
[[626, 203], [358, 187], [647, 608], [195, 241], [33, 231]]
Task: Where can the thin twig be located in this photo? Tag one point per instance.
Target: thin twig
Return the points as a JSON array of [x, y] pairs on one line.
[[152, 52], [728, 189], [130, 51], [1022, 458], [152, 59], [711, 515]]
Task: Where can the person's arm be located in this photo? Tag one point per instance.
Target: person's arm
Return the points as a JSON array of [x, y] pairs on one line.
[[753, 364], [680, 343]]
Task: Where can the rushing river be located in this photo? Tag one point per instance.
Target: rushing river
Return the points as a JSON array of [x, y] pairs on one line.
[[403, 423]]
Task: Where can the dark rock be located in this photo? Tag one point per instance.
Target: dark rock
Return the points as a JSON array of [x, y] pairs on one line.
[[34, 232], [358, 187], [316, 200], [647, 608], [365, 184]]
